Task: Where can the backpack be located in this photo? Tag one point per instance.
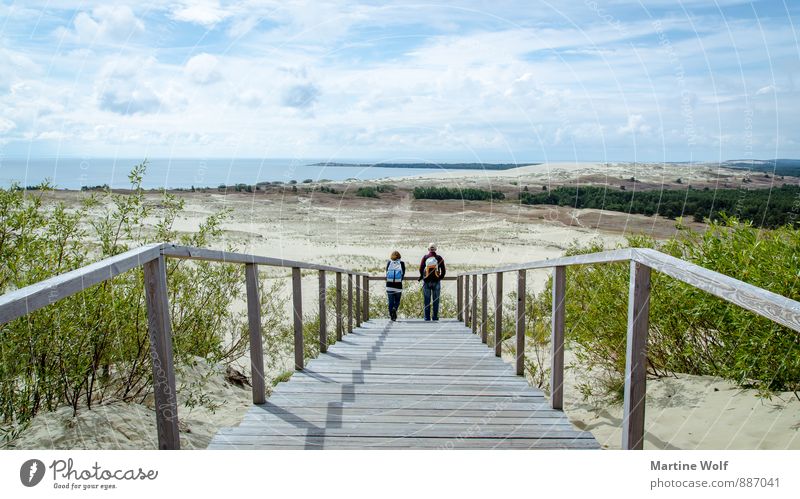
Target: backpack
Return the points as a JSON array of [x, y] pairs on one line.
[[394, 271], [432, 268]]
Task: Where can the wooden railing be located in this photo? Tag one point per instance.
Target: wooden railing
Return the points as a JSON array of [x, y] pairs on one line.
[[152, 259], [765, 303]]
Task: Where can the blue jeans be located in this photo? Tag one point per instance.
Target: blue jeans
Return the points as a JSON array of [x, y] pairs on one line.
[[430, 293], [394, 301]]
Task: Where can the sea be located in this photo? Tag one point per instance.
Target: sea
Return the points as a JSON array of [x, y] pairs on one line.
[[184, 173]]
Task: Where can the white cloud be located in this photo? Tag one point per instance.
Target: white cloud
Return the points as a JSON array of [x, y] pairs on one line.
[[106, 23], [202, 68], [206, 13], [766, 90], [6, 125], [636, 125], [123, 88], [300, 96]]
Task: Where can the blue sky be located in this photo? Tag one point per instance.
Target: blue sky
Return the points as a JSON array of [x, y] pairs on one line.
[[617, 80]]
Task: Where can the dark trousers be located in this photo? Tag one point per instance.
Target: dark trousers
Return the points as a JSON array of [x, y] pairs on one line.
[[394, 301], [430, 293]]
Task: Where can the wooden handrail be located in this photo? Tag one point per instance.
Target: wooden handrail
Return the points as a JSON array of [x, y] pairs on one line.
[[773, 306], [152, 258], [25, 300]]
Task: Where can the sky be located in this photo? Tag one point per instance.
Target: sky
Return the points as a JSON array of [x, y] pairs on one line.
[[470, 81]]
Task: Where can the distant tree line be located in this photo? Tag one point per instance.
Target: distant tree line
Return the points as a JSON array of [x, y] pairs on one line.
[[469, 194], [764, 207]]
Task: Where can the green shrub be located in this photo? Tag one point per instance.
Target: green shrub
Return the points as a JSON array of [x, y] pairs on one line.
[[367, 192], [469, 194], [93, 347], [690, 331]]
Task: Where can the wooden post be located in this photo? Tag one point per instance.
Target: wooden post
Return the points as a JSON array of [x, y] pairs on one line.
[[557, 339], [338, 306], [520, 362], [349, 303], [160, 332], [636, 357], [357, 291], [297, 299], [254, 323], [323, 314], [498, 316], [474, 304], [460, 298], [467, 318], [484, 308], [366, 298]]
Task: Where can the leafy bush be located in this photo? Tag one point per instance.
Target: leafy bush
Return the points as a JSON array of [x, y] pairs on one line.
[[469, 194], [690, 331], [93, 347], [367, 192]]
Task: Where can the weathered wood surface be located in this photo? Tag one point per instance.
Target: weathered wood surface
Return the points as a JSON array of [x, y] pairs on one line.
[[484, 308], [771, 305], [520, 323], [160, 332], [339, 326], [557, 338], [636, 357], [498, 314], [297, 314], [193, 253], [23, 301], [254, 327], [405, 385]]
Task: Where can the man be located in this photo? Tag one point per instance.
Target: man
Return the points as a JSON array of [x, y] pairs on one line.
[[431, 272]]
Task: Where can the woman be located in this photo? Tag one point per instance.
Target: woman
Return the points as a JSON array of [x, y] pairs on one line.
[[395, 270]]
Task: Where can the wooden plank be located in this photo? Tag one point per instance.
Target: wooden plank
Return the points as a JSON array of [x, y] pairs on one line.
[[498, 315], [467, 306], [25, 300], [160, 333], [406, 388], [636, 357], [254, 328], [192, 253], [357, 291], [460, 298], [297, 313], [339, 306], [771, 305], [474, 305], [620, 255], [323, 419], [323, 313], [484, 308], [269, 410], [422, 431], [365, 284], [332, 442], [506, 380], [349, 303], [557, 339], [520, 353]]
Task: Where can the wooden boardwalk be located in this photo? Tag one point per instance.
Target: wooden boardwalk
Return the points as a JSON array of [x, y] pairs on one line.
[[405, 385]]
